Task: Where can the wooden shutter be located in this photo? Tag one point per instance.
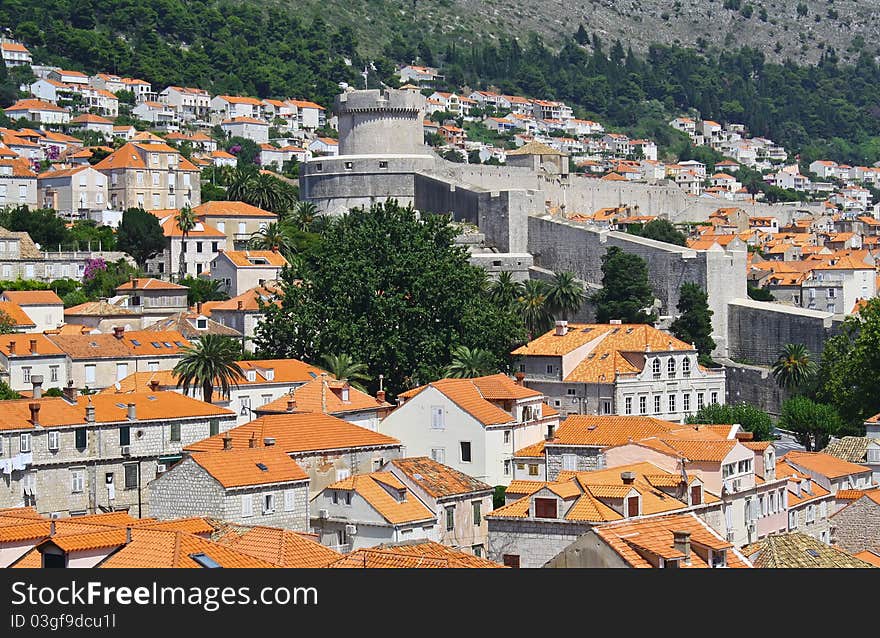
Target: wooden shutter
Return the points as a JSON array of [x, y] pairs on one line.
[[696, 495], [247, 505], [632, 506], [545, 507], [289, 500], [511, 560]]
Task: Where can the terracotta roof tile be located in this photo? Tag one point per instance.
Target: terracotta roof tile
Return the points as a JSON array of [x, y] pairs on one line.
[[231, 209], [824, 464], [19, 317], [99, 308], [869, 556], [255, 258], [149, 283], [150, 548], [33, 297], [300, 433], [535, 450], [22, 347], [427, 554], [280, 547], [439, 480], [243, 467], [249, 299], [853, 449], [149, 406], [798, 550], [370, 488]]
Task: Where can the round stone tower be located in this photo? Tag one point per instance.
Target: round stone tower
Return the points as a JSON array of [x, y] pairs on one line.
[[380, 122]]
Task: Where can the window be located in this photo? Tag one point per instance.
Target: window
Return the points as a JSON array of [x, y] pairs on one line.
[[348, 166], [823, 509], [811, 513], [606, 407], [155, 176], [744, 466], [53, 441], [247, 505], [671, 401], [26, 373], [570, 392], [700, 402], [153, 366], [643, 405], [728, 469], [268, 504], [545, 508], [686, 402], [348, 498], [657, 404], [628, 405], [478, 512], [175, 431], [506, 436], [154, 158], [242, 228], [549, 369], [511, 560], [24, 442], [465, 451], [245, 405], [632, 506], [437, 417], [450, 519], [655, 368], [289, 500], [686, 367], [569, 461], [80, 438], [792, 520], [477, 550], [140, 178], [696, 494], [714, 398], [125, 435], [53, 373], [334, 496], [77, 479], [221, 226], [439, 454], [533, 469], [214, 427], [121, 371], [670, 368], [156, 200], [130, 470]]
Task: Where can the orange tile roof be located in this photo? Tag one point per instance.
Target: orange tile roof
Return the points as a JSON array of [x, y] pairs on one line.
[[309, 397], [98, 539], [149, 406], [709, 451], [126, 156], [149, 284], [150, 548], [192, 525], [632, 539], [104, 346], [14, 46], [88, 118], [20, 167], [426, 554], [241, 467], [33, 297], [19, 317], [824, 464], [869, 557], [171, 228], [280, 547], [370, 488], [439, 480], [239, 99], [300, 433], [243, 119], [850, 495], [606, 431], [244, 258], [34, 105], [44, 345], [474, 396], [531, 451], [143, 342], [99, 308], [816, 492]]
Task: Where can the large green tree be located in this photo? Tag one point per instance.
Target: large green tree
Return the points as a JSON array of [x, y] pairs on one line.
[[533, 306], [140, 235], [468, 363], [212, 362], [342, 366], [694, 322], [565, 295], [663, 230], [186, 220], [393, 291], [749, 417], [626, 292], [813, 423], [849, 372], [794, 366]]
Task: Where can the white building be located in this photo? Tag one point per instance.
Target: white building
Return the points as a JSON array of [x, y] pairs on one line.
[[14, 53], [246, 127]]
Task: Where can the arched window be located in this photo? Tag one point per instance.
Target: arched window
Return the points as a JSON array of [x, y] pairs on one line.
[[656, 368], [670, 367], [686, 366]]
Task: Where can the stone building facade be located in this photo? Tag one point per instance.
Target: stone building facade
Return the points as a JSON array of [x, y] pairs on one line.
[[856, 527]]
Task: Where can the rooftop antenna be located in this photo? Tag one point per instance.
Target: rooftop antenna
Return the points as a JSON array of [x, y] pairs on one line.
[[381, 378]]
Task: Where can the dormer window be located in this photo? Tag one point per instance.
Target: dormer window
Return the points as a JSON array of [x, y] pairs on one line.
[[202, 324], [655, 368], [670, 368], [545, 508], [686, 367], [269, 373], [344, 394], [633, 506], [251, 375], [719, 557], [696, 494]]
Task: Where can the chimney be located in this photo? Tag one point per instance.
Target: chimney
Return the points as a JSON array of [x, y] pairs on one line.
[[561, 328], [239, 305], [90, 412], [154, 385], [51, 528], [127, 535], [628, 478], [520, 378], [227, 441], [118, 331], [199, 307], [35, 413], [291, 404], [615, 322], [269, 441], [380, 396], [11, 347], [132, 414], [70, 393], [681, 541], [33, 346], [323, 393], [37, 382], [252, 442]]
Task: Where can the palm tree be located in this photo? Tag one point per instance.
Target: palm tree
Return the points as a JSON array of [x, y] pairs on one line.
[[274, 236], [237, 182], [565, 295], [303, 216], [505, 290], [533, 304], [267, 192], [794, 366], [213, 361], [468, 363], [186, 221], [342, 366]]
